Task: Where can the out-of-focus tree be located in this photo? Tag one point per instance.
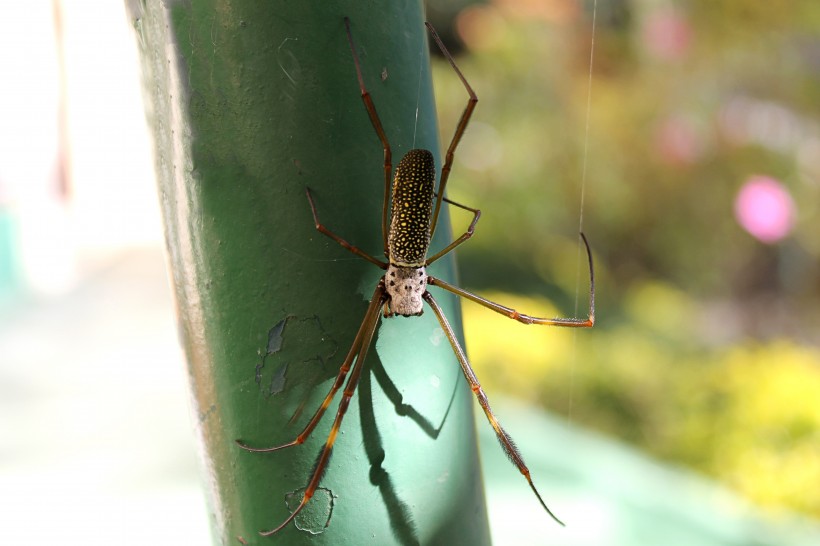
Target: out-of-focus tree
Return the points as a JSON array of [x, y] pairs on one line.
[[697, 159]]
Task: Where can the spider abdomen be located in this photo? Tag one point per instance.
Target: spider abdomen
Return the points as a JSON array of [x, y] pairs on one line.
[[412, 207]]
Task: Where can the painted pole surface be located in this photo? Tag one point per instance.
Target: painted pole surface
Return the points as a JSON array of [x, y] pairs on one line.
[[250, 103]]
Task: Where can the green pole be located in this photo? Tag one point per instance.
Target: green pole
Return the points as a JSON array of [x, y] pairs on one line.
[[251, 102]]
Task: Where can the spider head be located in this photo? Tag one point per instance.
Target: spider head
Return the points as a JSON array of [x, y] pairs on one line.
[[405, 286]]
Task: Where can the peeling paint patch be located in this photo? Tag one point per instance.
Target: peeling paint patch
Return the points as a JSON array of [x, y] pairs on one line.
[[315, 516], [309, 348], [277, 382], [275, 336], [274, 345]]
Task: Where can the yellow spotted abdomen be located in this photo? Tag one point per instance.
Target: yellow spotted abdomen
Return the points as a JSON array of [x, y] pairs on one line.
[[412, 207]]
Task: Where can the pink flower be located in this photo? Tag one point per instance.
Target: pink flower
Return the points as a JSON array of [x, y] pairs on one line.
[[667, 34], [765, 209], [678, 141]]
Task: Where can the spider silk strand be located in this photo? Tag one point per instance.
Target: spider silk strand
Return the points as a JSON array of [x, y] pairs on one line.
[[418, 91], [584, 162]]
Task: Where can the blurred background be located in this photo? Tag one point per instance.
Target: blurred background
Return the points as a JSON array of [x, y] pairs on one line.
[[685, 144]]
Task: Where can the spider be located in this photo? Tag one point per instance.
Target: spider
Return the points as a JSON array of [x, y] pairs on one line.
[[415, 206]]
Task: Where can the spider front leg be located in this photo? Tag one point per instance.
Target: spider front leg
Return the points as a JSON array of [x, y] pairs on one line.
[[460, 128], [504, 439], [323, 230], [527, 319], [377, 126], [464, 236]]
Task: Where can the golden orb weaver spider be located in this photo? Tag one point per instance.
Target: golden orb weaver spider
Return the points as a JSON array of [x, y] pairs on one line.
[[415, 206]]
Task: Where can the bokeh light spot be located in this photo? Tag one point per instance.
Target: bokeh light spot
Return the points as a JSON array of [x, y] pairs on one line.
[[667, 34], [765, 209]]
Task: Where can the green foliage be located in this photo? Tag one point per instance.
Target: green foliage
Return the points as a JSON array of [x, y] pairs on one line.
[[664, 156], [705, 352], [746, 414]]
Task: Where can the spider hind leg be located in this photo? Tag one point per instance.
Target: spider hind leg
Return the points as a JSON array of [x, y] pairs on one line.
[[503, 438]]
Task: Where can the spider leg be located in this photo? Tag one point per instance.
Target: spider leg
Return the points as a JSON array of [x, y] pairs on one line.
[[373, 308], [371, 320], [466, 235], [527, 319], [377, 125], [354, 249], [504, 439], [460, 128]]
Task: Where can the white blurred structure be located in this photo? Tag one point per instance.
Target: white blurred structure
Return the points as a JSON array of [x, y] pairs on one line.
[[75, 164]]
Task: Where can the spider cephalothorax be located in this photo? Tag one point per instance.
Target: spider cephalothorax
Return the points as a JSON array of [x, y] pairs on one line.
[[405, 286]]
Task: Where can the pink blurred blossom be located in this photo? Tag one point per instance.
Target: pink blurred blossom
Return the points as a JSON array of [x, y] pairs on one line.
[[765, 209], [667, 34], [678, 141]]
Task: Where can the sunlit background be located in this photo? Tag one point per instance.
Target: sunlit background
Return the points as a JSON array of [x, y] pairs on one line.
[[95, 440], [685, 144]]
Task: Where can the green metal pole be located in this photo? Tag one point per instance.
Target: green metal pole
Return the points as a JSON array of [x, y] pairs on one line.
[[251, 102]]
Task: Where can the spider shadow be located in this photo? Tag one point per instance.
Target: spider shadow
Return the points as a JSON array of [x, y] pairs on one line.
[[401, 519]]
